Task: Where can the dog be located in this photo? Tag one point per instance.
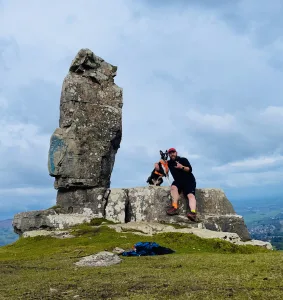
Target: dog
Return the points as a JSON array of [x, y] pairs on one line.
[[156, 177]]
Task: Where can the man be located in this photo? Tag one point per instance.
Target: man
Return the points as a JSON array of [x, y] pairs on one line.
[[184, 181]]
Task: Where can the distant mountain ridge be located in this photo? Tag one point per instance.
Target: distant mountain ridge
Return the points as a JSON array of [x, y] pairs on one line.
[[7, 234], [264, 219], [6, 223]]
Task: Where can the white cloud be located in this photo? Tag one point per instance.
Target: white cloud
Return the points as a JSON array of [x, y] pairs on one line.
[[251, 164], [253, 179], [22, 145], [208, 121], [273, 112], [3, 103], [184, 152]]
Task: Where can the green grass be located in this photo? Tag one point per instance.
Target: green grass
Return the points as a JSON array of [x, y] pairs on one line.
[[200, 268], [99, 221]]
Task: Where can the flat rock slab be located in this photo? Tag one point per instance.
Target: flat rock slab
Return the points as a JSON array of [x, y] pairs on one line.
[[101, 259], [258, 243], [151, 228], [51, 220], [52, 233]]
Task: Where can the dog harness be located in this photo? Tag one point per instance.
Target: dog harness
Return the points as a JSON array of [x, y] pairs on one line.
[[164, 165]]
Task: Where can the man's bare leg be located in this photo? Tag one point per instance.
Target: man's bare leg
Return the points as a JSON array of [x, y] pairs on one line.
[[175, 196], [192, 202]]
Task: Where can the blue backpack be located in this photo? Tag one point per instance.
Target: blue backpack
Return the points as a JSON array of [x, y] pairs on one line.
[[147, 249]]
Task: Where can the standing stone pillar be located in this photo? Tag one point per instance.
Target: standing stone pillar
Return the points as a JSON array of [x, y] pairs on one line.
[[82, 150]]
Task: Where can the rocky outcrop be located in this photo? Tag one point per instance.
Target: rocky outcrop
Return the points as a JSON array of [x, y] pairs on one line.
[[82, 150], [50, 219], [144, 204], [58, 234], [152, 228], [149, 204], [77, 200]]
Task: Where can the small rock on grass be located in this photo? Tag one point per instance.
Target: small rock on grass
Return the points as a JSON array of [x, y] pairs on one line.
[[101, 259]]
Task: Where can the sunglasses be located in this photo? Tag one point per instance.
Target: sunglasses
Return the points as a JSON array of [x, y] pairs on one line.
[[172, 152]]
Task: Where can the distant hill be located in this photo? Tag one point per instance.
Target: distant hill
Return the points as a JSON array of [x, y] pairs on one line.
[[7, 235], [6, 223], [264, 219]]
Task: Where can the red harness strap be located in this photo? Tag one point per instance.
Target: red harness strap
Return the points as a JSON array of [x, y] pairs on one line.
[[164, 165]]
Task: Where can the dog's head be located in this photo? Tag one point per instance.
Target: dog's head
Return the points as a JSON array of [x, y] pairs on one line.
[[164, 155]]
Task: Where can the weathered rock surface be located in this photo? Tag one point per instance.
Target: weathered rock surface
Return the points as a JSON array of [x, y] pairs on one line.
[[101, 259], [82, 151], [144, 204], [50, 219], [53, 233], [33, 220], [151, 228], [117, 204], [77, 200], [149, 204]]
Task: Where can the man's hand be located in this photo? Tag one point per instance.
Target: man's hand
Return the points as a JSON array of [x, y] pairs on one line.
[[179, 166]]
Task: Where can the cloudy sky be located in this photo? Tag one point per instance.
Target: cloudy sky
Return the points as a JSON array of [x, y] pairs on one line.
[[203, 78]]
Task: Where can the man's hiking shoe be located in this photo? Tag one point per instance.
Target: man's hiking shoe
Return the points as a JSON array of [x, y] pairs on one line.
[[192, 216], [172, 211]]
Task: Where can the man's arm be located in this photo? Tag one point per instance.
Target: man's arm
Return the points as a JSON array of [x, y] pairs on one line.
[[185, 165], [186, 169]]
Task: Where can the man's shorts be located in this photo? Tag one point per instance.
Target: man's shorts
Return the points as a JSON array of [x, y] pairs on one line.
[[188, 187]]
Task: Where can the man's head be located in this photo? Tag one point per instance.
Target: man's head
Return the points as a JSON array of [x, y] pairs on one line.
[[172, 153]]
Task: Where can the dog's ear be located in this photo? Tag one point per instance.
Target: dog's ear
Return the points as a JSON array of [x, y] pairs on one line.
[[161, 152]]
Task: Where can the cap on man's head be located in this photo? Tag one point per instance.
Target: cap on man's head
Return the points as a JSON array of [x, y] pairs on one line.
[[172, 150]]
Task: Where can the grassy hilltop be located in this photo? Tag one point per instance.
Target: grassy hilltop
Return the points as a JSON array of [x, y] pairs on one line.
[[43, 268]]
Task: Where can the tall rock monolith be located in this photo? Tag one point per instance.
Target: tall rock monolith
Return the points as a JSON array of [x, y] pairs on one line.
[[82, 150]]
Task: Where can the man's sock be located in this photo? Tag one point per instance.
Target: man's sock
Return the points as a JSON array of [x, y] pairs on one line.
[[175, 205], [193, 211]]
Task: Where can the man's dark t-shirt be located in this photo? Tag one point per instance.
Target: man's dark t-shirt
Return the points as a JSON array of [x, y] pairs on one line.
[[179, 175]]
